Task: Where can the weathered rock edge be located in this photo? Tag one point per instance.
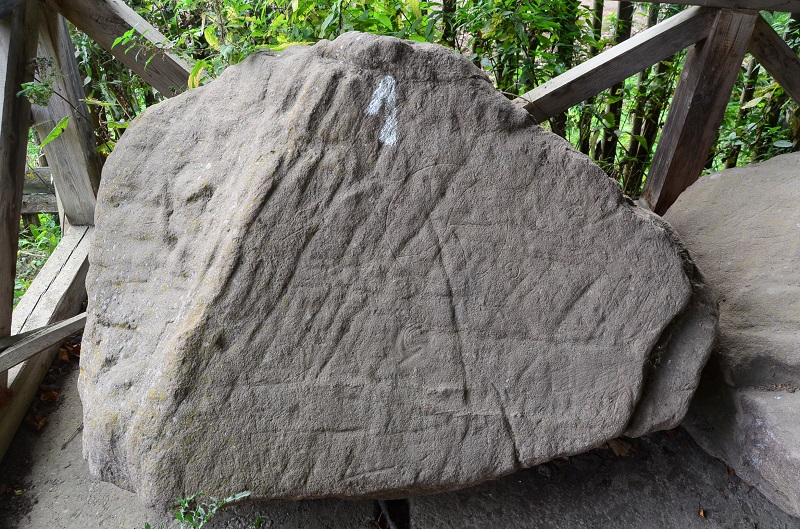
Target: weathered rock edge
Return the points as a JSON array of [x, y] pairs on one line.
[[742, 226], [356, 270]]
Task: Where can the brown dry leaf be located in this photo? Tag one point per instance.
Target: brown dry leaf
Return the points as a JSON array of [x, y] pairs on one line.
[[731, 471], [619, 447], [50, 396], [701, 513], [63, 355], [6, 396], [75, 350], [36, 421]]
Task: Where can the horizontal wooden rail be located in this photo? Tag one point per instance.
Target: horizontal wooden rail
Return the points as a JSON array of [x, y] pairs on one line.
[[618, 63], [23, 346]]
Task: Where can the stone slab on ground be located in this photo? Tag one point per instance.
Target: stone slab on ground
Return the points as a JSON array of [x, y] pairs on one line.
[[357, 269], [664, 482], [59, 493], [742, 227]]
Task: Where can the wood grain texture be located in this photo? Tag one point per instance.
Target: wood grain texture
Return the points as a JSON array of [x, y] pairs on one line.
[[39, 203], [698, 107], [57, 293], [17, 47], [777, 57], [105, 20], [618, 63], [7, 5], [71, 156], [38, 180], [791, 6], [40, 340]]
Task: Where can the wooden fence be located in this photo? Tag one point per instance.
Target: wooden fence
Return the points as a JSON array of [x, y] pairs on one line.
[[718, 32]]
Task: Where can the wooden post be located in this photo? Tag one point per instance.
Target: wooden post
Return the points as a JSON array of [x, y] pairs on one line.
[[106, 20], [17, 47], [57, 293], [777, 57], [698, 107], [71, 156]]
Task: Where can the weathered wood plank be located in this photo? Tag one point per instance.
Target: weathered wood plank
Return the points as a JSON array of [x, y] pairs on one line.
[[17, 47], [38, 180], [40, 340], [790, 6], [71, 156], [106, 20], [39, 203], [57, 293], [7, 5], [618, 63], [698, 107], [777, 57]]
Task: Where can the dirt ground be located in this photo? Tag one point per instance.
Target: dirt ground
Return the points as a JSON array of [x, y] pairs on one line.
[[660, 481]]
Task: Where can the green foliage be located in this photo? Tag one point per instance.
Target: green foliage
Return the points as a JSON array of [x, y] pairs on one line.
[[193, 512], [40, 90], [36, 244]]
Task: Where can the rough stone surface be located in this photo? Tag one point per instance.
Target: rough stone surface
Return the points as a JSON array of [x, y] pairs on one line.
[[742, 226], [356, 269], [662, 482]]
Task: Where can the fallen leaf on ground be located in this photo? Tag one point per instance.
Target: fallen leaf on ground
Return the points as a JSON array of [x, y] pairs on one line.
[[51, 396], [63, 355], [36, 421], [619, 447], [731, 471], [701, 513]]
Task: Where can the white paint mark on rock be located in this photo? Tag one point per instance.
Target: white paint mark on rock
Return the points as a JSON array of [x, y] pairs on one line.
[[385, 96]]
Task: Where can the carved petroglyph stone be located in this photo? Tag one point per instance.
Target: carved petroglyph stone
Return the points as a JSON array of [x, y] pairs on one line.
[[357, 269]]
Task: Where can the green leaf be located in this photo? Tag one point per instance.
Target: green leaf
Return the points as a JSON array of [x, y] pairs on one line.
[[415, 9], [211, 37], [783, 144], [56, 132], [194, 75], [753, 102], [384, 20]]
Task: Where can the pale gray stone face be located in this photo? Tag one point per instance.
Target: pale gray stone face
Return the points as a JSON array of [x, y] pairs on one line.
[[356, 269], [742, 226]]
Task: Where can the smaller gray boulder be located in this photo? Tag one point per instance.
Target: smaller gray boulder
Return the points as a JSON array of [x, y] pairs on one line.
[[742, 227]]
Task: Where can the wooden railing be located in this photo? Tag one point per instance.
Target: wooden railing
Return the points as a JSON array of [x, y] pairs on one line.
[[719, 33], [719, 39]]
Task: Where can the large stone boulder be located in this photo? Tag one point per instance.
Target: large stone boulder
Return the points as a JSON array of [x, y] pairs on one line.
[[743, 228], [356, 269]]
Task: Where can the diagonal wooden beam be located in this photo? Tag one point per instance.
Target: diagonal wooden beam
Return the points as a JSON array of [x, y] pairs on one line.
[[17, 47], [698, 107], [34, 342], [618, 63], [780, 61], [71, 156], [106, 20], [790, 6]]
